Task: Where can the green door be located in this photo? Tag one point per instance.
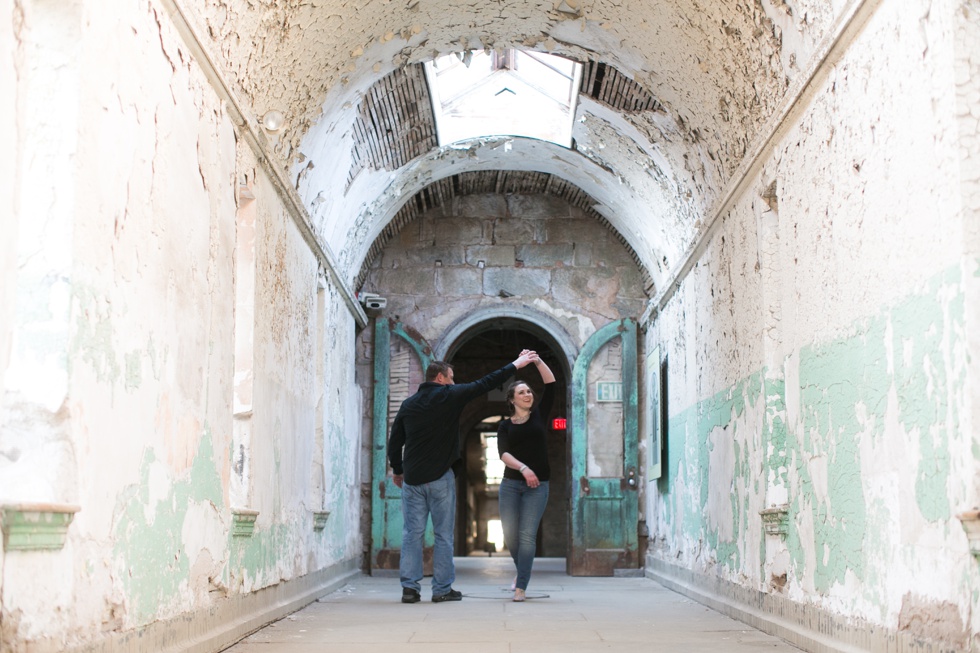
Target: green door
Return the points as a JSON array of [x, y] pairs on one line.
[[386, 497], [604, 508]]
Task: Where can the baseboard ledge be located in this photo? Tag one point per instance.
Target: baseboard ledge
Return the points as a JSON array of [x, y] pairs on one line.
[[220, 626], [804, 626]]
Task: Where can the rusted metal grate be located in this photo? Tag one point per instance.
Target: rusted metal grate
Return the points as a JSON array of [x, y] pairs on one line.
[[394, 122], [605, 84], [506, 182]]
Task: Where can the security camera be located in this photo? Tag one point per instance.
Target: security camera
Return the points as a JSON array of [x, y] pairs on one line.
[[371, 301]]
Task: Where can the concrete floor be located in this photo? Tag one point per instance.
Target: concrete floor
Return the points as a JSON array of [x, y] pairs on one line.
[[563, 614]]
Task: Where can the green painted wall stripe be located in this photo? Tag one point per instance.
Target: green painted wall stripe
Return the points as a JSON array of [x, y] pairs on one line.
[[899, 374], [148, 552]]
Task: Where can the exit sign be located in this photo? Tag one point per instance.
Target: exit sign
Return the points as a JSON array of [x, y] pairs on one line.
[[608, 391], [559, 424]]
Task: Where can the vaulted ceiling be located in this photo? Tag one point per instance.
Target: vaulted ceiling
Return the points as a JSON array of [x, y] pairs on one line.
[[673, 96]]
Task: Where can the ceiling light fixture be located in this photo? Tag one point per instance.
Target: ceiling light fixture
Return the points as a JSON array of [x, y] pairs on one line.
[[273, 121]]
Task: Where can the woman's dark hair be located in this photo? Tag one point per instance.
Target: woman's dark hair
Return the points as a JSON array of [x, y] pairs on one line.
[[510, 394]]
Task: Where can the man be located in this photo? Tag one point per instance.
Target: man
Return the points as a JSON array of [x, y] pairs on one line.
[[427, 426]]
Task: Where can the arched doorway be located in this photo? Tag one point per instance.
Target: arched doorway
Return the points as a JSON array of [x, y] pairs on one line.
[[593, 507], [481, 349]]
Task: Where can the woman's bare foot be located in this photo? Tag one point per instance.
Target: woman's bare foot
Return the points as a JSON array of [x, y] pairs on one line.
[[518, 595]]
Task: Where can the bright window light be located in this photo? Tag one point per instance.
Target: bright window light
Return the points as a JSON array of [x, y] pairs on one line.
[[495, 534], [507, 93], [495, 466]]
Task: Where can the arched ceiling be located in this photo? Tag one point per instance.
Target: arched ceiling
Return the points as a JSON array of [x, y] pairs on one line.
[[710, 72]]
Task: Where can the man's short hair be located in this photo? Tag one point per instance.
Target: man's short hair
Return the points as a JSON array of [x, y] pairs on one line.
[[436, 368]]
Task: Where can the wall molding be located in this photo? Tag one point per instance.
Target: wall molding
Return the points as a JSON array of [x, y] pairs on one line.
[[970, 520], [775, 520], [36, 526], [320, 519], [243, 522], [805, 626]]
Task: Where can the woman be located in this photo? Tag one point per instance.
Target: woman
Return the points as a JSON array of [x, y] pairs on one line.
[[523, 447]]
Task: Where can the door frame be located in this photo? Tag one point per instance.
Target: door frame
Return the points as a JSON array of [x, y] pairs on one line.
[[615, 498], [386, 511]]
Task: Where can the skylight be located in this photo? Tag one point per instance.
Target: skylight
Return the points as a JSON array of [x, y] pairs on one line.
[[512, 93]]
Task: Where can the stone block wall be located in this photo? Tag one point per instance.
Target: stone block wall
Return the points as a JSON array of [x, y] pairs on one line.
[[491, 249]]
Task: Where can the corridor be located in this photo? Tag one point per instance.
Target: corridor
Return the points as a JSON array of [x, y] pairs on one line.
[[562, 615], [744, 235]]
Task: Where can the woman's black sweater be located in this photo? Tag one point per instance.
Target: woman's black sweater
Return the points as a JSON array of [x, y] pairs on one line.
[[528, 442]]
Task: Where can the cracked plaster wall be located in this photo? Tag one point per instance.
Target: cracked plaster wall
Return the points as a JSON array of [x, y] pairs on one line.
[[125, 183], [655, 207], [719, 68], [829, 368], [9, 54], [357, 41], [967, 64], [283, 423]]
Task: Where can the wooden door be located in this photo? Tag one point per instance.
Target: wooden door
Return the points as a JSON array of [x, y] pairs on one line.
[[604, 505]]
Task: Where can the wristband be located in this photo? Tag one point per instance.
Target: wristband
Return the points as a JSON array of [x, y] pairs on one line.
[[523, 467]]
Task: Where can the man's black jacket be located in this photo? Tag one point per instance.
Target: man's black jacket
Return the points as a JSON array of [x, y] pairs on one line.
[[427, 426]]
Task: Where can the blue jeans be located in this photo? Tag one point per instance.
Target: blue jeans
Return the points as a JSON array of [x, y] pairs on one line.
[[437, 499], [521, 508]]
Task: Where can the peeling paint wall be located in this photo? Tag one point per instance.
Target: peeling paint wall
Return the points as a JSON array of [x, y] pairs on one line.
[[9, 94], [120, 390], [720, 70], [819, 353], [8, 165], [660, 42], [967, 63], [35, 380], [387, 195]]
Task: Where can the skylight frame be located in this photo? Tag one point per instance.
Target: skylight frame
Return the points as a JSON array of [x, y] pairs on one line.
[[537, 113]]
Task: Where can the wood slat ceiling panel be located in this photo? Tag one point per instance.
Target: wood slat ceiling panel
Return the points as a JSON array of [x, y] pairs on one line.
[[394, 122], [605, 84]]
